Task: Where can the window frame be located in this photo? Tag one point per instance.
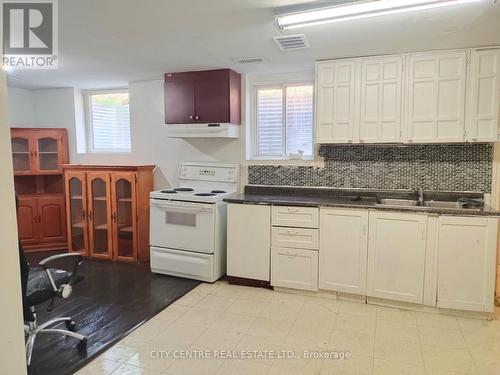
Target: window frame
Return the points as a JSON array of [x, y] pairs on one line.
[[254, 126], [87, 95]]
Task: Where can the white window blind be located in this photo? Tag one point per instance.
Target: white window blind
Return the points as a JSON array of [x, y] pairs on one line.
[[109, 121], [284, 122]]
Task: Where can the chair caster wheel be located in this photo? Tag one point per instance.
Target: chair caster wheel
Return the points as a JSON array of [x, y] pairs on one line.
[[71, 325], [82, 345]]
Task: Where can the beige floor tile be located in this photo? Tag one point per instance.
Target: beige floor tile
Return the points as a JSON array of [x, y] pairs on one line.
[[152, 359], [436, 320], [384, 367], [191, 298], [259, 349], [311, 330], [356, 323], [486, 364], [243, 367], [215, 339], [206, 288], [99, 366], [396, 315], [355, 365], [216, 303], [177, 335], [229, 291], [259, 294], [442, 337], [139, 338], [484, 341], [233, 322], [199, 316], [132, 370], [172, 313], [118, 353], [398, 351], [246, 307], [446, 359], [474, 325], [320, 308], [358, 344], [355, 308], [274, 330], [387, 330], [305, 364], [195, 366], [280, 310]]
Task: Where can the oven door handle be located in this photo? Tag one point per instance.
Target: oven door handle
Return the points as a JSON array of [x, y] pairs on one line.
[[181, 208]]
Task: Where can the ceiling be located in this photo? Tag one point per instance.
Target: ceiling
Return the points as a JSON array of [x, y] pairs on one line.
[[109, 43]]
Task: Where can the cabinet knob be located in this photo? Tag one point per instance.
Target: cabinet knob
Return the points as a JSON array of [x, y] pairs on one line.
[[191, 117], [196, 117]]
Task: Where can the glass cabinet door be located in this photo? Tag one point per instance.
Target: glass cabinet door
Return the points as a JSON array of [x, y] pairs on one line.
[[124, 216], [77, 217], [21, 154], [48, 154], [99, 228]]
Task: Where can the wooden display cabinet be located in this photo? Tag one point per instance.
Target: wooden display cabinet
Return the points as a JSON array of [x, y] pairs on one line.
[[108, 211], [37, 156]]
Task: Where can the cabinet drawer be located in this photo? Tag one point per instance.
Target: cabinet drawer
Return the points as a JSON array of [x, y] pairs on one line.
[[295, 237], [294, 268], [289, 216]]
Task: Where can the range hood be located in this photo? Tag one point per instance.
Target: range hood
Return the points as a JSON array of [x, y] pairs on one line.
[[215, 130], [203, 104]]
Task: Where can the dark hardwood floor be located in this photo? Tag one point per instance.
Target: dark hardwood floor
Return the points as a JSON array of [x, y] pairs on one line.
[[112, 300]]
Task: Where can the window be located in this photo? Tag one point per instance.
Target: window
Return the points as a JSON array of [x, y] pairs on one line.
[[108, 121], [283, 125]]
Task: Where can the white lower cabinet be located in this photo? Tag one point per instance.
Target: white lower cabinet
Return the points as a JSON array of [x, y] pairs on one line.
[[343, 250], [248, 241], [294, 268], [396, 256], [466, 263]]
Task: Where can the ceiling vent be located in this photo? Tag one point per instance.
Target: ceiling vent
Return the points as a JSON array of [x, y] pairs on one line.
[[291, 42], [249, 60]]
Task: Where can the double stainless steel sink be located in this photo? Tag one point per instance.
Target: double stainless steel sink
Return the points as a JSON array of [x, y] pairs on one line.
[[416, 203]]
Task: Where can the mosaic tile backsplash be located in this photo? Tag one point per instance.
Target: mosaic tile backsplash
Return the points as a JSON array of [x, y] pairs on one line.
[[464, 167]]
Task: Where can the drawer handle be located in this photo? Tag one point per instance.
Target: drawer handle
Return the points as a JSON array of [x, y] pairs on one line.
[[292, 232], [291, 255], [293, 210]]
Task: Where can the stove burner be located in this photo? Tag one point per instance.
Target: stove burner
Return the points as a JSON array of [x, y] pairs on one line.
[[168, 191], [183, 189], [205, 194], [218, 191]]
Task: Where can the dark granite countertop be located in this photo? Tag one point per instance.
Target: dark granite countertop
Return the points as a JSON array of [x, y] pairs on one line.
[[356, 198]]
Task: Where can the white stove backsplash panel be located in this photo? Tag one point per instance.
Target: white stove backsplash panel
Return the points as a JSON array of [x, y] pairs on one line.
[[464, 167]]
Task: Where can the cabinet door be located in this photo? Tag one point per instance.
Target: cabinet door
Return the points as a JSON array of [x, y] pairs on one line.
[[335, 93], [484, 96], [436, 97], [99, 215], [179, 101], [466, 263], [380, 104], [294, 268], [396, 256], [23, 152], [51, 218], [49, 151], [124, 215], [343, 250], [212, 100], [27, 221], [76, 212], [249, 241]]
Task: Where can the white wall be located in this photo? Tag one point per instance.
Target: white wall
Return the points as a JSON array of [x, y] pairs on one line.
[[150, 144], [12, 357], [21, 107]]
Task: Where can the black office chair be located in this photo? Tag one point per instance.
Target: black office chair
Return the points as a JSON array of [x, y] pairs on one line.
[[46, 283]]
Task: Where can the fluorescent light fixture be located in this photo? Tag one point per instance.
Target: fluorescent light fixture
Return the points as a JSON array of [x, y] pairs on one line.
[[354, 10]]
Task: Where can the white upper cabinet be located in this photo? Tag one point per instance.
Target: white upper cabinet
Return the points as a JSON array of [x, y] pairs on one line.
[[380, 103], [343, 250], [335, 108], [436, 97], [484, 96], [396, 256]]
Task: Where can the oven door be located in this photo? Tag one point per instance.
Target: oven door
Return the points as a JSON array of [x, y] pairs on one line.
[[183, 225]]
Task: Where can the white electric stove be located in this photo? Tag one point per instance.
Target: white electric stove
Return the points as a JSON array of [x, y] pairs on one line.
[[188, 223]]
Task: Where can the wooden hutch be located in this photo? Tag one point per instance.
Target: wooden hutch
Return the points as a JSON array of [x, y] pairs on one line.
[[37, 155], [107, 210]]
